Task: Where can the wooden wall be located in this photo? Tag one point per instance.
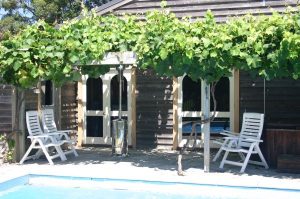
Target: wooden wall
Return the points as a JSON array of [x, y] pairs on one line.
[[278, 142], [5, 108], [197, 8], [154, 109], [281, 104], [69, 106], [154, 94]]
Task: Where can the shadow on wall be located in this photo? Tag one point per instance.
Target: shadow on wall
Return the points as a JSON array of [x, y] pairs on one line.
[[154, 107]]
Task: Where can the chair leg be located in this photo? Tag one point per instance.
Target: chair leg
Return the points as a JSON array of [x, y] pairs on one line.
[[263, 160], [61, 153], [220, 150], [74, 151], [247, 158], [28, 151], [218, 154], [46, 152], [224, 159]]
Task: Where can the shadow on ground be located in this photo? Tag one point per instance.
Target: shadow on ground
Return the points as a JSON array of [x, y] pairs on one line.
[[163, 160]]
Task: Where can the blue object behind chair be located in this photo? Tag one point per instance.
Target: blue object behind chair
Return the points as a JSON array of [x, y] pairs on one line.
[[215, 127]]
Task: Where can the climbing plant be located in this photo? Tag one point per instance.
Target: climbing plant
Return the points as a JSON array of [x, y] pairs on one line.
[[264, 45]]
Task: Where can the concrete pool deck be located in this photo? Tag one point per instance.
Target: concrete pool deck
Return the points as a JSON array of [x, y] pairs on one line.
[[152, 165]]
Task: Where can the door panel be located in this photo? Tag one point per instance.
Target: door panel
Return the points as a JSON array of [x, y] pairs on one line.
[[102, 104]]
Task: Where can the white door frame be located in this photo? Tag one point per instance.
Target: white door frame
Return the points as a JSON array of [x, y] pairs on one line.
[[106, 113], [198, 114]]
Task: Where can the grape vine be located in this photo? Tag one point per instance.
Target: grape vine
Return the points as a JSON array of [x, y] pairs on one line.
[[203, 49]]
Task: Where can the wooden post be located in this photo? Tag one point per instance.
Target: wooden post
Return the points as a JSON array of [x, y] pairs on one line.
[[57, 105], [80, 115], [175, 113], [39, 102], [236, 101], [18, 114], [206, 126], [133, 107]]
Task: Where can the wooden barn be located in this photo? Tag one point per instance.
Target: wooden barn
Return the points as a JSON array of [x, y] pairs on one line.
[[159, 109]]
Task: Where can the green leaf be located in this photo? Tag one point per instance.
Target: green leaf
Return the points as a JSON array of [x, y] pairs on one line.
[[163, 53], [9, 61], [17, 65], [74, 59], [59, 54], [49, 48], [206, 42], [67, 69], [213, 54], [26, 54]]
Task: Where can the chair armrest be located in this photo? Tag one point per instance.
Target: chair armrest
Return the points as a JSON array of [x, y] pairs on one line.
[[39, 136], [251, 140], [229, 133], [65, 131], [231, 138]]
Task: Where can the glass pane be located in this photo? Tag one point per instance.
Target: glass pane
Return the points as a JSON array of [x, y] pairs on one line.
[[114, 94], [94, 126], [48, 93], [222, 91], [191, 94], [94, 94]]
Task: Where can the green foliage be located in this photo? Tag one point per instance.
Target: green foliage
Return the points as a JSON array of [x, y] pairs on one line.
[[19, 13], [8, 147], [264, 45], [260, 44], [38, 53]]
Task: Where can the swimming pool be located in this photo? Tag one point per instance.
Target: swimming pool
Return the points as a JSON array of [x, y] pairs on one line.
[[54, 187]]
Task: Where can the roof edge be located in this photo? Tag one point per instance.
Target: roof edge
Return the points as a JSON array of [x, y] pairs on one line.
[[105, 8]]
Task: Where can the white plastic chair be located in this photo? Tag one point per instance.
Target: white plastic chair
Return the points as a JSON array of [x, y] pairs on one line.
[[246, 143], [49, 126], [41, 141]]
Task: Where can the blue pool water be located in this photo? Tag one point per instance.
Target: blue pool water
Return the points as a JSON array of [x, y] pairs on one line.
[[56, 187]]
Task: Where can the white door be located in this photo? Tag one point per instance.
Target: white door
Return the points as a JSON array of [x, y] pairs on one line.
[[101, 105]]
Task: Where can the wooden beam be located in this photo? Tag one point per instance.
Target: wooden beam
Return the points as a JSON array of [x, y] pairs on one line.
[[116, 58], [206, 126], [18, 110], [80, 115], [236, 100], [57, 105], [133, 107], [175, 112]]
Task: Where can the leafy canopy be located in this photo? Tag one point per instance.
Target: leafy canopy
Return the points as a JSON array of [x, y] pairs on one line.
[[263, 45]]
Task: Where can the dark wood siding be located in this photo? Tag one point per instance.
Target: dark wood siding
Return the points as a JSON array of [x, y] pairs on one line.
[[280, 141], [69, 106], [68, 115], [31, 100], [154, 110], [197, 8], [5, 108], [281, 104]]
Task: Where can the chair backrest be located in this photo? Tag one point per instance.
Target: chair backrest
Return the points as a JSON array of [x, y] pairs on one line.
[[33, 123], [48, 121], [252, 128]]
